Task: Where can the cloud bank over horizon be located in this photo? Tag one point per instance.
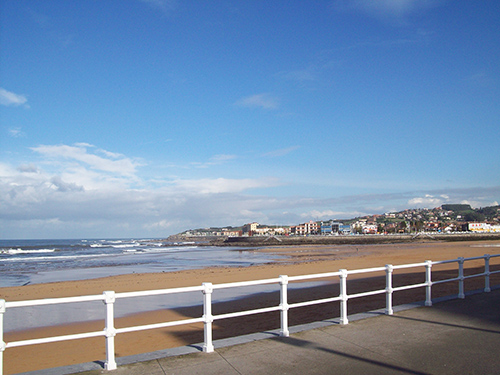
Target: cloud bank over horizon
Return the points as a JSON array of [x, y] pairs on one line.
[[84, 191]]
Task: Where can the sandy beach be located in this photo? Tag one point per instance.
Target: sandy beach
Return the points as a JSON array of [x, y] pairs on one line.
[[301, 260]]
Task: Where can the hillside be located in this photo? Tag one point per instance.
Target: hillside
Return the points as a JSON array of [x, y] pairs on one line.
[[420, 219]]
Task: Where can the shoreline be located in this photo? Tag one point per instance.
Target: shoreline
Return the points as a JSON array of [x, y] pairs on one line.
[[303, 260], [372, 239]]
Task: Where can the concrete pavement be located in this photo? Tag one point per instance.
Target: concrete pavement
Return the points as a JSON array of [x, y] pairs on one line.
[[452, 337]]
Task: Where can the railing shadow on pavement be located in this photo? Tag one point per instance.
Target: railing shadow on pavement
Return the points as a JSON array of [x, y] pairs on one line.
[[386, 366], [471, 315]]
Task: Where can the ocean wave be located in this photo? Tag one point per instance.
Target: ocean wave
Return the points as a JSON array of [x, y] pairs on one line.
[[135, 244], [167, 249], [98, 245], [154, 244], [63, 257], [23, 251], [115, 244]]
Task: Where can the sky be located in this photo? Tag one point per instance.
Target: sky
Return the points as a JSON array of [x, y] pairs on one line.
[[145, 118]]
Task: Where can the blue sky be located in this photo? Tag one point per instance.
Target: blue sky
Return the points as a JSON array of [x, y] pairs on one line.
[[144, 118]]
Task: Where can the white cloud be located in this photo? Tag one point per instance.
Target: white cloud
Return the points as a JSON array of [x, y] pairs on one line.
[[223, 185], [109, 154], [264, 100], [16, 133], [8, 98], [471, 203], [115, 163], [426, 201], [29, 168], [59, 184], [38, 199]]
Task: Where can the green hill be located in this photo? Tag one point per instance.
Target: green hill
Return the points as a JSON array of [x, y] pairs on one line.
[[457, 207]]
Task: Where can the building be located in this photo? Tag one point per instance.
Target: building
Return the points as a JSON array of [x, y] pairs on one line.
[[231, 233], [312, 227], [299, 230], [483, 227], [370, 229], [344, 229], [330, 227], [262, 231], [249, 229]]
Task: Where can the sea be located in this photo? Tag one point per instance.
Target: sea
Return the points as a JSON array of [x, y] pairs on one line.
[[24, 262]]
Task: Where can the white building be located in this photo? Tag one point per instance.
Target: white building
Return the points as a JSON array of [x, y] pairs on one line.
[[483, 227]]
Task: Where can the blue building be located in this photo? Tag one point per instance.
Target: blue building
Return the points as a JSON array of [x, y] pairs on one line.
[[330, 227]]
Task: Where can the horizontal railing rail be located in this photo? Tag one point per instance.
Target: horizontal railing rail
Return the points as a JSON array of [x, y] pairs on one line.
[[109, 298]]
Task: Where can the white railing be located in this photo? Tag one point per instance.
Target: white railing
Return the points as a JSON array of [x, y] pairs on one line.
[[109, 298]]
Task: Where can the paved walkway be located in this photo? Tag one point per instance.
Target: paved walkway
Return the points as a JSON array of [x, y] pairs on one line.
[[451, 337]]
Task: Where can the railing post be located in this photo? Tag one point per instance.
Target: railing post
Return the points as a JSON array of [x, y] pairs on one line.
[[110, 331], [461, 293], [343, 297], [388, 289], [2, 343], [208, 319], [487, 273], [284, 305], [428, 281]]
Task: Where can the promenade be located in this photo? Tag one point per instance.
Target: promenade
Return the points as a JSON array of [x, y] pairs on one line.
[[451, 337]]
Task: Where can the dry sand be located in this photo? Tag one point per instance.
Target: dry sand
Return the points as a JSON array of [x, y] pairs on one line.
[[303, 260]]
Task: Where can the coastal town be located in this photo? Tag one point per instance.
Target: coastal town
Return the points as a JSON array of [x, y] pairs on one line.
[[449, 218]]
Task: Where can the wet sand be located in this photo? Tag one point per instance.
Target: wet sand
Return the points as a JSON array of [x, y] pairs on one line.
[[302, 260]]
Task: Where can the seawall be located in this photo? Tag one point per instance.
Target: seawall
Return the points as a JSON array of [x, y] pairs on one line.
[[334, 240]]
